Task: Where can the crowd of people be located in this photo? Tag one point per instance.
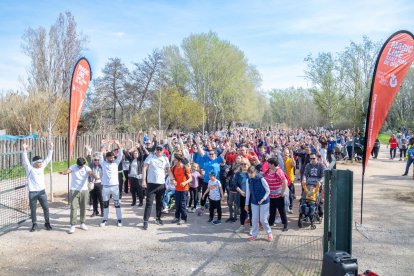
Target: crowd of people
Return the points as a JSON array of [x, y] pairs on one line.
[[251, 171]]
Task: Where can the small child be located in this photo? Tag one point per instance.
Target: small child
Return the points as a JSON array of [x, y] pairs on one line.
[[169, 191], [224, 176], [215, 195], [311, 192], [194, 184], [257, 193]]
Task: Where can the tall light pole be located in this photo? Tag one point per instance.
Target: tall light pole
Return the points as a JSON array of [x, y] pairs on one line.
[[49, 105], [159, 112], [204, 105]]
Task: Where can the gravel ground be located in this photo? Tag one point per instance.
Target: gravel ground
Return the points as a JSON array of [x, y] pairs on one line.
[[383, 243]]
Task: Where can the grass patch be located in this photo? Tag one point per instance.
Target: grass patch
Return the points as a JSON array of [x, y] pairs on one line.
[[384, 137], [19, 171], [12, 173], [59, 166]]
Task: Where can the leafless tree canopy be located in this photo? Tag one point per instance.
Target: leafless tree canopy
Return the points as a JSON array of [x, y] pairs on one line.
[[52, 55]]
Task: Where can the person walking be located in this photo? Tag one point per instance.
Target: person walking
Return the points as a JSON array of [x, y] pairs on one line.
[[154, 172], [410, 156], [375, 149], [392, 144], [36, 183]]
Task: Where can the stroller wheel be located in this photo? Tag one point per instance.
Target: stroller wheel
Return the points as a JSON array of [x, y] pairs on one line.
[[313, 226]]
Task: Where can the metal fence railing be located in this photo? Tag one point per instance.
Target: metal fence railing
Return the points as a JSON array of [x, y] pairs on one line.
[[14, 206], [39, 146]]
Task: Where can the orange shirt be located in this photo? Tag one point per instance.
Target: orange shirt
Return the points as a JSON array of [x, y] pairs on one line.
[[180, 177]]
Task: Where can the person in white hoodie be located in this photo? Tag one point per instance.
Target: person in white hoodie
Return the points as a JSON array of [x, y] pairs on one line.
[[36, 184], [110, 181]]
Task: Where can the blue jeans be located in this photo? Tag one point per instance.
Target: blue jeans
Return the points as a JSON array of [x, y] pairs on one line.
[[311, 208], [408, 164], [181, 205], [167, 197], [42, 198]]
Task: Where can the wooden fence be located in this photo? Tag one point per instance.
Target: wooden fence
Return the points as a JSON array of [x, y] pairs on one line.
[[39, 146]]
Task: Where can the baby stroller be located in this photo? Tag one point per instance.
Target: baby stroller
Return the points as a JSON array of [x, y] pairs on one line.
[[170, 205], [339, 152], [359, 151], [309, 210]]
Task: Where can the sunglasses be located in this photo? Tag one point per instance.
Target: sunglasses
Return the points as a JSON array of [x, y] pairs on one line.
[[211, 154], [158, 149], [96, 160], [313, 158]]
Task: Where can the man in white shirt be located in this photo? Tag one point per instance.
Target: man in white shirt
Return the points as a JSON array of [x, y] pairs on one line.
[[36, 183], [110, 181], [154, 172], [78, 192]]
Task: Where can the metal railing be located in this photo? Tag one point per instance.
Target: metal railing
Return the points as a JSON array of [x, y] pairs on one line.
[[14, 206]]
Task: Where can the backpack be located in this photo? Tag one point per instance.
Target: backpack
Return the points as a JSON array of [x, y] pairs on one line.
[[187, 176]]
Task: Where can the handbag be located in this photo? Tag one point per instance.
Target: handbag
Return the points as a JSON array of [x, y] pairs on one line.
[[91, 185]]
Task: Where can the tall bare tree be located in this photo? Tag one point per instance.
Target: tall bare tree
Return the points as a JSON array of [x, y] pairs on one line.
[[52, 55], [112, 88], [145, 78]]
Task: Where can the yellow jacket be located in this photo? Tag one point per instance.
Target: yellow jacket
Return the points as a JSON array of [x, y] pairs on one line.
[[312, 193]]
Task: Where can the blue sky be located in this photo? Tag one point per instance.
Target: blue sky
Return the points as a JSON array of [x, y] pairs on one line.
[[274, 35]]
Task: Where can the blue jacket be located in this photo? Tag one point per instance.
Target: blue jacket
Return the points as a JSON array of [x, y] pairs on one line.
[[257, 191]]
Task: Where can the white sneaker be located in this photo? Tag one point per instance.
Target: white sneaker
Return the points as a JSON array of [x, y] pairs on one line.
[[119, 224], [240, 229], [289, 211], [103, 223], [72, 229], [90, 208], [83, 226], [278, 220]]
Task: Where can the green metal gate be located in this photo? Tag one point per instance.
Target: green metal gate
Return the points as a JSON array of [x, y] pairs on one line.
[[338, 190]]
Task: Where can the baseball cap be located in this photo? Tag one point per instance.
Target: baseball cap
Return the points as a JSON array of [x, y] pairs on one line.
[[159, 147]]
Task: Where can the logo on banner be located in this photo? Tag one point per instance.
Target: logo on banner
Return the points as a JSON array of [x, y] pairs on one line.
[[393, 81], [393, 62]]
